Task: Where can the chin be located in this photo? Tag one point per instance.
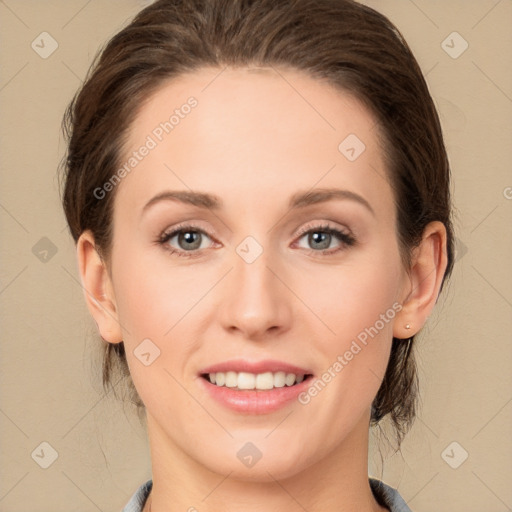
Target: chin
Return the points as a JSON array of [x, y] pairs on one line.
[[260, 461]]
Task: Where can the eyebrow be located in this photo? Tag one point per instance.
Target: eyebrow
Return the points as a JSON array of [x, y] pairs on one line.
[[321, 195], [298, 200]]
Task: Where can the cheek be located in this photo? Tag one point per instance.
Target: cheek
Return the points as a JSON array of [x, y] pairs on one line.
[[349, 299], [157, 306], [144, 305], [356, 353], [359, 306], [152, 309], [151, 296]]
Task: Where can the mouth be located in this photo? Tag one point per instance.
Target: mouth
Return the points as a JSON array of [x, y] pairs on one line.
[[245, 381], [255, 387]]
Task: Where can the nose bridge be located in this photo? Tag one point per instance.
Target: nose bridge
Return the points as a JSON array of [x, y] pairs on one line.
[[255, 300]]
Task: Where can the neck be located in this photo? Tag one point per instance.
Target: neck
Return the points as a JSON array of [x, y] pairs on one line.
[[336, 483]]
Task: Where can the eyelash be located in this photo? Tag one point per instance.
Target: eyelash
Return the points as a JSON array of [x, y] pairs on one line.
[[346, 239]]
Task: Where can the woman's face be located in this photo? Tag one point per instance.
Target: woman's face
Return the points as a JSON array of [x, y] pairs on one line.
[[255, 288]]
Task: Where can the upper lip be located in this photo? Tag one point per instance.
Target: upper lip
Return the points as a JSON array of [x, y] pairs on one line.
[[242, 365]]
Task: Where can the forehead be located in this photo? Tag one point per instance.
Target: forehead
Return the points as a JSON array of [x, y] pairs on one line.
[[255, 97], [251, 130]]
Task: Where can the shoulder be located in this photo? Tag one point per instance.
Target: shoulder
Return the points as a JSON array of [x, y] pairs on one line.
[[138, 500], [388, 497]]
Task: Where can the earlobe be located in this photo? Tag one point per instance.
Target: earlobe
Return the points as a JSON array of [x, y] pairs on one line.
[[98, 290], [426, 274]]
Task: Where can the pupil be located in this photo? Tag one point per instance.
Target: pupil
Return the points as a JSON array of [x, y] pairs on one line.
[[325, 236], [189, 237]]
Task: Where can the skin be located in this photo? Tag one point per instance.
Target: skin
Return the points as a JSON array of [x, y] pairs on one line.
[[254, 141]]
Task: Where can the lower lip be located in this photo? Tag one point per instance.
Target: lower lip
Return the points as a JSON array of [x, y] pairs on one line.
[[252, 401]]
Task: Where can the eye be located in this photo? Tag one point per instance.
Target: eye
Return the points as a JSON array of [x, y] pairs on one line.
[[320, 238], [188, 238]]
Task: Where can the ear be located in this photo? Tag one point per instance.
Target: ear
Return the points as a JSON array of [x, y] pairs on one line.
[[98, 289], [424, 280]]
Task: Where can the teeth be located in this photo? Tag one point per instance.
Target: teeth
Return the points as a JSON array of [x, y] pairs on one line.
[[262, 381], [279, 379], [290, 379], [231, 380], [246, 380]]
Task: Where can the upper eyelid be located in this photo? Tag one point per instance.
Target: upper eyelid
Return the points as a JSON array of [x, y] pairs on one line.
[[322, 225], [187, 227]]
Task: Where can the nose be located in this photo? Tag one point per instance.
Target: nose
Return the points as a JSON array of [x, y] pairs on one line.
[[256, 302]]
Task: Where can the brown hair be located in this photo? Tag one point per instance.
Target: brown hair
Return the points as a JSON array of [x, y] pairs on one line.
[[342, 42]]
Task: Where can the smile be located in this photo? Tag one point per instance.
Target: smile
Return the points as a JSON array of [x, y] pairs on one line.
[[260, 381], [254, 387]]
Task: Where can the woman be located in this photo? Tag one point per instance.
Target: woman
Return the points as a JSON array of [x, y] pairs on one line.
[[259, 193]]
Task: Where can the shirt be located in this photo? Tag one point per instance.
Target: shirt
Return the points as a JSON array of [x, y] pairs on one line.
[[385, 495]]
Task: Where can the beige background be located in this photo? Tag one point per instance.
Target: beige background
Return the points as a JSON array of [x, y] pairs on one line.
[[49, 379]]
